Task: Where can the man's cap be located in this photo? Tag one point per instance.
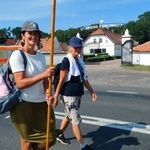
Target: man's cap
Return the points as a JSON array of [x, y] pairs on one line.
[[75, 42], [30, 26]]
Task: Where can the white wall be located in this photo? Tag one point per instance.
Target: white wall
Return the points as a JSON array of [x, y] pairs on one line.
[[89, 44], [106, 43], [57, 47], [57, 58], [141, 58], [136, 58]]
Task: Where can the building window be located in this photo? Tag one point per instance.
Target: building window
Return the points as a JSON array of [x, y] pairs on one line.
[[91, 50], [97, 51], [100, 40], [103, 50], [94, 40]]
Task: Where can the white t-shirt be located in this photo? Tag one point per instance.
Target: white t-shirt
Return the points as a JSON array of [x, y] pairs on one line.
[[36, 64]]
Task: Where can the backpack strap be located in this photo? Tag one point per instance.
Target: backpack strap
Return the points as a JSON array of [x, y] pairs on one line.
[[24, 61], [24, 58]]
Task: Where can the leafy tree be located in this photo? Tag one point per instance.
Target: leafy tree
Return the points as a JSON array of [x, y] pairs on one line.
[[60, 35], [44, 35], [4, 34], [144, 26], [119, 30], [65, 35], [140, 30], [16, 33], [145, 16]]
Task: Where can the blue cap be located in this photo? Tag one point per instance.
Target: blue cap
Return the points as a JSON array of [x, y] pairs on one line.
[[75, 42]]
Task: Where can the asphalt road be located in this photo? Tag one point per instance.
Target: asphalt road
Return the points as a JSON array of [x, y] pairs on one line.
[[119, 120]]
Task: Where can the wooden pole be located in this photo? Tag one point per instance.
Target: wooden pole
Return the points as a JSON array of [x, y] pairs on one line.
[[51, 65]]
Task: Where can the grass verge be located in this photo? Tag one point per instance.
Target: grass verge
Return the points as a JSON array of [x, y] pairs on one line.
[[137, 67]]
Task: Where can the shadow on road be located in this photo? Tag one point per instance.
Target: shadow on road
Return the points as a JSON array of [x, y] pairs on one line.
[[111, 139]]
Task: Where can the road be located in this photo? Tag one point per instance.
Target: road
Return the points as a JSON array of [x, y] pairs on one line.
[[119, 120]]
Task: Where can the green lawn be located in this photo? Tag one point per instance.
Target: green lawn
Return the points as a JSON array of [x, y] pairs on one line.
[[137, 67]]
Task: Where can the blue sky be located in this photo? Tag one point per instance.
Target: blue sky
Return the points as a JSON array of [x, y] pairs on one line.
[[70, 13]]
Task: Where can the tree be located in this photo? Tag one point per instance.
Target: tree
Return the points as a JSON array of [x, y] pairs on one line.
[[16, 33], [44, 35], [145, 16], [140, 30], [144, 26], [4, 34]]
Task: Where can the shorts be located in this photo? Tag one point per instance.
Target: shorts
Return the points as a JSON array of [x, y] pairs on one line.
[[72, 105]]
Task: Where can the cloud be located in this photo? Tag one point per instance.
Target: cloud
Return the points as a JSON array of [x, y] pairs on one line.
[[15, 10]]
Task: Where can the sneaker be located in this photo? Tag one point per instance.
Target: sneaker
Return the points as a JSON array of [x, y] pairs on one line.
[[63, 140], [87, 147]]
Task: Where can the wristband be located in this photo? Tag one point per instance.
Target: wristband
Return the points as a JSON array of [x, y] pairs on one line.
[[55, 96]]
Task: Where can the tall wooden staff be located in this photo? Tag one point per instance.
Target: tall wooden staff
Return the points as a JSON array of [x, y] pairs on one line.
[[51, 65]]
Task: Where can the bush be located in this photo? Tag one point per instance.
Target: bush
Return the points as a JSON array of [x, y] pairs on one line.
[[99, 57]]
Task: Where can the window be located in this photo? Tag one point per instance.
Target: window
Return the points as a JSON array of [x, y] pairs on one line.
[[97, 51], [91, 50], [103, 50], [100, 40], [94, 40]]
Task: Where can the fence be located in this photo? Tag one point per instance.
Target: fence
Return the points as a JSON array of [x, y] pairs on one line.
[[4, 52]]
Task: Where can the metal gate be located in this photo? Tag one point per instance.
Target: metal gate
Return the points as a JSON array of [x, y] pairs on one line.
[[127, 53]]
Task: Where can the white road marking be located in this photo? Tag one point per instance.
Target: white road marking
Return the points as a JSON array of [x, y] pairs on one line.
[[117, 124], [7, 117], [129, 126], [125, 92]]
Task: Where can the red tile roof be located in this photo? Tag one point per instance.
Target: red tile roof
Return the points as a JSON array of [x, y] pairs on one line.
[[143, 47], [64, 47], [10, 42], [45, 43], [115, 37]]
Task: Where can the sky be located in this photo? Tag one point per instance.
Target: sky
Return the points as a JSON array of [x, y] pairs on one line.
[[70, 13]]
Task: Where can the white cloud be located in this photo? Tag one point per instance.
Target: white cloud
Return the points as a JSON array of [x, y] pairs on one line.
[[16, 10]]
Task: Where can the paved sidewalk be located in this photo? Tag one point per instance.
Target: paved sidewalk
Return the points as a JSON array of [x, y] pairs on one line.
[[111, 73]]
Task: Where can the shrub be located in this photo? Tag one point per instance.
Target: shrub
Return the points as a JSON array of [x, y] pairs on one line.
[[99, 57]]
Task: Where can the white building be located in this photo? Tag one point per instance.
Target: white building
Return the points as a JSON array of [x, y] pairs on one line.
[[103, 41], [141, 54]]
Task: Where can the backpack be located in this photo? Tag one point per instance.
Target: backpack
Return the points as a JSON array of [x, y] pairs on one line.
[[9, 93], [56, 76]]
